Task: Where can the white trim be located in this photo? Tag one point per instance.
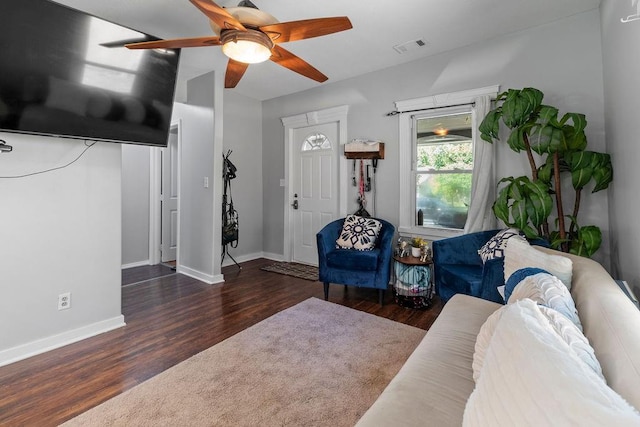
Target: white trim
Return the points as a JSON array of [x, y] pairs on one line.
[[198, 275], [135, 264], [272, 256], [155, 184], [155, 177], [291, 123], [241, 258], [406, 223], [34, 348]]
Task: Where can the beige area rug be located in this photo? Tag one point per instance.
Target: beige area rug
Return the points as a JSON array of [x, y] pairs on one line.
[[314, 364], [302, 271]]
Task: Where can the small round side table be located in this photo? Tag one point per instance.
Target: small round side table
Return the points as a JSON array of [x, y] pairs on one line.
[[413, 285]]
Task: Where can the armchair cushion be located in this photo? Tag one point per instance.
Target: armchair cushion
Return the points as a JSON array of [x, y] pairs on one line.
[[359, 233], [348, 259]]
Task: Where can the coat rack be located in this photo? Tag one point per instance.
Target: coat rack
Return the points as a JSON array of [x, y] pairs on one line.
[[363, 149]]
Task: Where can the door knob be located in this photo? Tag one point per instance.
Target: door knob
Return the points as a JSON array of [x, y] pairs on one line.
[[295, 204]]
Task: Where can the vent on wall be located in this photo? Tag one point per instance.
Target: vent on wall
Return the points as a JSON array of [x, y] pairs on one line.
[[410, 45]]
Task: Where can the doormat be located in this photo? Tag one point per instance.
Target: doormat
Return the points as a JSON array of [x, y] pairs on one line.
[[302, 271]]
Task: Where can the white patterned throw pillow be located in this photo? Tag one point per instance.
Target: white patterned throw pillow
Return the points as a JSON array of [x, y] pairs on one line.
[[531, 376], [359, 233], [496, 245]]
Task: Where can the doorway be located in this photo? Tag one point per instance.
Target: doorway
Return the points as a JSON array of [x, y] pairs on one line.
[[314, 165], [169, 199], [164, 213]]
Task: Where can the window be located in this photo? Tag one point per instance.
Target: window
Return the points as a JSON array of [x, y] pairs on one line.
[[436, 137], [317, 141], [443, 153]]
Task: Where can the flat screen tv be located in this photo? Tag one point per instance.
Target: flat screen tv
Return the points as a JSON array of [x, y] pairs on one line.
[[66, 73]]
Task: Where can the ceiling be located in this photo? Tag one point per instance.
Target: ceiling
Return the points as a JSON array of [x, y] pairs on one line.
[[378, 25]]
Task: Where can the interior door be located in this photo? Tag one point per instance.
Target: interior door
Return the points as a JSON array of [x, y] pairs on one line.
[[315, 186], [169, 198]]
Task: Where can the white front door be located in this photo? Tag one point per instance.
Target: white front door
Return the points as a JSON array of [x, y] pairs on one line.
[[169, 198], [314, 163]]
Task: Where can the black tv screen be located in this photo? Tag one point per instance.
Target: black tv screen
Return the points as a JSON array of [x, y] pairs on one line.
[[66, 73]]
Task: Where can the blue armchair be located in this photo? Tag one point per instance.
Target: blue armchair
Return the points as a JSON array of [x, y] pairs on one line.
[[369, 269], [459, 269]]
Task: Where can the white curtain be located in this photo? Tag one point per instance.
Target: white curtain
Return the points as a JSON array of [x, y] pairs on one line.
[[483, 178]]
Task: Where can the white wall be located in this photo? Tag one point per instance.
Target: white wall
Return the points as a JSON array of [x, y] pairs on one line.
[[135, 204], [243, 135], [200, 157], [621, 59], [548, 57], [60, 233]]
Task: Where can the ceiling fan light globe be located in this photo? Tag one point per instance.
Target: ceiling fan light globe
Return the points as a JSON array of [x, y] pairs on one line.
[[250, 47], [246, 51]]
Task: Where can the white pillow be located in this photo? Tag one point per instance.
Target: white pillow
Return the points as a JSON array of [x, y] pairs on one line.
[[359, 233], [484, 339], [519, 255], [567, 330], [549, 291], [494, 248], [531, 377]]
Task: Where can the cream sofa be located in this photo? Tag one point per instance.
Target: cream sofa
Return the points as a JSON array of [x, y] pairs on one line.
[[433, 386]]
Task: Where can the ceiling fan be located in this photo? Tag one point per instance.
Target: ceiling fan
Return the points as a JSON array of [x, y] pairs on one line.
[[248, 36]]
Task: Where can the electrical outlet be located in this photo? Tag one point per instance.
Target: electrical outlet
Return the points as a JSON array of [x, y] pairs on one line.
[[64, 301]]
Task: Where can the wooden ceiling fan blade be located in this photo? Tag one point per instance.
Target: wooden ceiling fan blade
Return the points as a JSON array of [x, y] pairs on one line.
[[176, 43], [306, 29], [288, 60], [218, 15], [122, 43], [235, 71]]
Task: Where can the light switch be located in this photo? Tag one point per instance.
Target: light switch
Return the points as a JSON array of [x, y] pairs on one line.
[[206, 182], [282, 183]]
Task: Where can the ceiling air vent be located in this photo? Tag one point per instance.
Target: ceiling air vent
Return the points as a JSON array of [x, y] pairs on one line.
[[410, 45]]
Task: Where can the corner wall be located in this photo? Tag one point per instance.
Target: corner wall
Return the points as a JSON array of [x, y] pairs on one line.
[[60, 233], [621, 59], [243, 135]]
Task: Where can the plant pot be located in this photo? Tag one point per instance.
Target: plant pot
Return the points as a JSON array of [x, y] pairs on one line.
[[415, 252]]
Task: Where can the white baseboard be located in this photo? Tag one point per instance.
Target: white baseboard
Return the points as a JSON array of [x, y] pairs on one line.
[[273, 257], [34, 348], [206, 278], [136, 264], [242, 258]]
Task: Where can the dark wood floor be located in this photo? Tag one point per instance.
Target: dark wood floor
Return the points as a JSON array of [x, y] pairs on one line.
[[169, 319]]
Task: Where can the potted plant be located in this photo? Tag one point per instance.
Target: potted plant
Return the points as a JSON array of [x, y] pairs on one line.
[[526, 202], [416, 245]]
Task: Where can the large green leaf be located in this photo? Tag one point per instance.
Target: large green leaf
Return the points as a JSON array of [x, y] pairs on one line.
[[548, 115], [581, 177], [548, 139], [490, 126], [603, 173], [516, 140], [588, 241], [540, 202], [501, 205], [519, 105], [519, 213], [580, 164], [574, 133], [579, 121], [545, 172]]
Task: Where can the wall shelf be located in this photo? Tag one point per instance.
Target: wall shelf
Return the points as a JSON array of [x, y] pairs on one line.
[[379, 154]]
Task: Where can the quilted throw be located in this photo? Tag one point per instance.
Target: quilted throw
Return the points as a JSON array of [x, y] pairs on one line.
[[359, 233]]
